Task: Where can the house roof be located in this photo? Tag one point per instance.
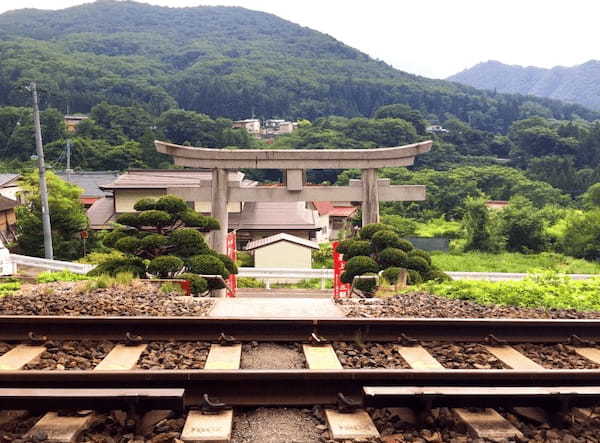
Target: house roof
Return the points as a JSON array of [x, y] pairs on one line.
[[277, 216], [164, 178], [8, 179], [328, 208], [7, 203], [101, 213], [280, 237], [90, 181]]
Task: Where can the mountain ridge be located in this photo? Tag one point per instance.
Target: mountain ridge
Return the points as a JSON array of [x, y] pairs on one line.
[[578, 84], [223, 61]]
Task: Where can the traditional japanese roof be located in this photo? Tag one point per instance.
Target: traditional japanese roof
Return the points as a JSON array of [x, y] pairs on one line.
[[8, 179], [101, 213], [280, 237], [164, 178], [328, 208], [90, 181], [7, 203], [277, 216]]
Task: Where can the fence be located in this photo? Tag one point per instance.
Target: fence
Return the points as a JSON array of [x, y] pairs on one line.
[[51, 265], [268, 274]]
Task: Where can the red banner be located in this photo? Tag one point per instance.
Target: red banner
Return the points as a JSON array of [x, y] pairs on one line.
[[339, 289], [232, 253]]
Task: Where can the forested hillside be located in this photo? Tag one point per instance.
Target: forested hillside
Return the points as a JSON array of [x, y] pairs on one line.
[[577, 84], [224, 62]]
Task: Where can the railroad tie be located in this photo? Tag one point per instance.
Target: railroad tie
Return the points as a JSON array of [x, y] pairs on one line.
[[59, 429], [356, 425], [121, 358], [19, 357], [217, 427], [483, 424], [592, 354]]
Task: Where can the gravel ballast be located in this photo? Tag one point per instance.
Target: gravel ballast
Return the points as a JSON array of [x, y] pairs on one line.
[[424, 305], [463, 356], [72, 355], [278, 425], [272, 356], [174, 355], [369, 356], [138, 299]]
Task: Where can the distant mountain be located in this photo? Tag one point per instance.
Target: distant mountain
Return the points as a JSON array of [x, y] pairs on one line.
[[223, 61], [578, 84]]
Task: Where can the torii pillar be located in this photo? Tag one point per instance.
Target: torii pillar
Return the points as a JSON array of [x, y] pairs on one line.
[[370, 190]]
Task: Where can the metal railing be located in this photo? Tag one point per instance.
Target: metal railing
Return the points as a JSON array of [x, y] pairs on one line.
[[52, 265]]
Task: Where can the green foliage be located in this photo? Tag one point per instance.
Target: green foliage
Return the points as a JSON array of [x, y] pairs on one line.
[[195, 220], [392, 257], [112, 267], [165, 266], [367, 285], [358, 247], [111, 238], [321, 258], [405, 245], [435, 275], [400, 225], [592, 196], [546, 291], [512, 262], [249, 282], [198, 284], [154, 218], [153, 242], [478, 229], [438, 227], [392, 274], [171, 204], [522, 227], [246, 260], [420, 253], [358, 266], [187, 242], [144, 204], [367, 232], [228, 262], [417, 263], [67, 217], [385, 239], [413, 278], [208, 265], [128, 245], [95, 258], [582, 236], [54, 276], [132, 220], [171, 288]]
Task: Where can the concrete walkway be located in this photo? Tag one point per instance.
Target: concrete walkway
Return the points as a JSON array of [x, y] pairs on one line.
[[275, 308]]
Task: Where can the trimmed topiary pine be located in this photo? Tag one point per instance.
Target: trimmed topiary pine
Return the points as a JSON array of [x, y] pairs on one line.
[[405, 245], [419, 264], [358, 266], [199, 285], [414, 278], [385, 239], [392, 257], [165, 266], [368, 286], [367, 231], [392, 274], [208, 265], [420, 253], [356, 248]]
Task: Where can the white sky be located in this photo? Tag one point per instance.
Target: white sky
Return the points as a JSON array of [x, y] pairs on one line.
[[434, 38]]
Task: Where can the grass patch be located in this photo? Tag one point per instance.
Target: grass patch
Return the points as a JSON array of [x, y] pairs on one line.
[[546, 291], [9, 287], [512, 262], [54, 276]]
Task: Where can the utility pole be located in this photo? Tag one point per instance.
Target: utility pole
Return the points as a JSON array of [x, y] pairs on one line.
[[68, 171], [49, 254]]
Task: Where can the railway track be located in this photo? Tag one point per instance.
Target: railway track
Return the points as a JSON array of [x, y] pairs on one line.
[[331, 349]]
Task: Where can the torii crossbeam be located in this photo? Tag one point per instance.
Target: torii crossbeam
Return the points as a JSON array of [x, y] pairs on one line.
[[369, 190]]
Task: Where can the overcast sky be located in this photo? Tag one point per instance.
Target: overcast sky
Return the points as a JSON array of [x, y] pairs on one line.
[[434, 38]]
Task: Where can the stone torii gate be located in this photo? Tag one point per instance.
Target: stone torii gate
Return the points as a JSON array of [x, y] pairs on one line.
[[369, 190]]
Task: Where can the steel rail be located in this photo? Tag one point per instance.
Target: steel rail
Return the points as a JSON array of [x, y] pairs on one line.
[[290, 387], [23, 328]]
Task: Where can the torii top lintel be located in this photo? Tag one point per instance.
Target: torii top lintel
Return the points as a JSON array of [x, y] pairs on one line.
[[293, 158]]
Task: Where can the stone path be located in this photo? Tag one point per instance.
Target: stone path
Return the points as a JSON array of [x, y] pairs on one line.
[[275, 308]]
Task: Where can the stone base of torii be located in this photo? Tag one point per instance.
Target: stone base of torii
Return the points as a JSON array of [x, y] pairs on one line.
[[369, 190]]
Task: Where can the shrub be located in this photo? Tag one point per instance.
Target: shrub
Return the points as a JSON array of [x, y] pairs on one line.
[[154, 218], [249, 282], [413, 278], [417, 263], [195, 220], [392, 274], [199, 285], [367, 285], [145, 204], [367, 231], [437, 276], [188, 242], [228, 262], [128, 245], [171, 288], [95, 258], [208, 265], [392, 257], [53, 276], [342, 247], [245, 259], [171, 204], [356, 248], [135, 265], [154, 241], [165, 266], [128, 220], [400, 225], [385, 239], [111, 238], [420, 253], [405, 245], [358, 266]]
